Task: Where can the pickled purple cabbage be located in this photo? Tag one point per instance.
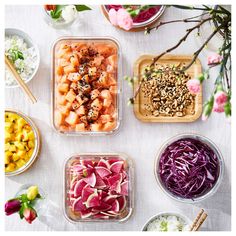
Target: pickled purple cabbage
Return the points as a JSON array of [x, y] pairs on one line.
[[188, 168]]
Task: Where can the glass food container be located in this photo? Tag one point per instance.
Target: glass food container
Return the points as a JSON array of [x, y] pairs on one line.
[[105, 199], [86, 85], [36, 145], [211, 146], [141, 26]]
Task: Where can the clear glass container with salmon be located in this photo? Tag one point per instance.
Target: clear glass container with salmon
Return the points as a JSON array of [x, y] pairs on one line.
[[86, 86]]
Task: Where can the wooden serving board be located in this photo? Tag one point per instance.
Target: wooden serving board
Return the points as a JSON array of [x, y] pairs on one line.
[[139, 110]]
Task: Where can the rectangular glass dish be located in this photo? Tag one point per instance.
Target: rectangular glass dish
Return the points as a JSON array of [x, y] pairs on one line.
[[98, 188], [86, 89]]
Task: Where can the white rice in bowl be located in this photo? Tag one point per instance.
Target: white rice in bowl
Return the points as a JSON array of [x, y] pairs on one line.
[[24, 59], [168, 223]]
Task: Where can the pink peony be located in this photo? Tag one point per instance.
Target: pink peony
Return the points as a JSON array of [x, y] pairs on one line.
[[194, 86], [218, 108], [214, 59], [113, 16], [124, 19], [221, 98]]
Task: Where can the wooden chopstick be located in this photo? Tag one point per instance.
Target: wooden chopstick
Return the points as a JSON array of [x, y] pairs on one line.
[[198, 221], [17, 77]]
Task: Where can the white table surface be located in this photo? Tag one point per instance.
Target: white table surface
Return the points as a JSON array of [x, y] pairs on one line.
[[139, 140]]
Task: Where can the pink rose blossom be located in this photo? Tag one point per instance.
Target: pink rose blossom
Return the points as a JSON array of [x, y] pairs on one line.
[[113, 16], [220, 98], [218, 108], [214, 59], [124, 19], [194, 86]]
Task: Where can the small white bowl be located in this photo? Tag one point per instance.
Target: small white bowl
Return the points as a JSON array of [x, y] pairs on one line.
[[30, 43], [186, 219]]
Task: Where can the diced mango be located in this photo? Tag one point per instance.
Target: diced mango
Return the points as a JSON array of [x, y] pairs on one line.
[[20, 163], [10, 167]]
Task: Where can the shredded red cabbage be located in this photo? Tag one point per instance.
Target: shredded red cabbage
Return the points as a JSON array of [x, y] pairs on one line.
[[143, 16], [188, 168]]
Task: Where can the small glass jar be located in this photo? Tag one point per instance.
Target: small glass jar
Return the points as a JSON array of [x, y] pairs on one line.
[[204, 140], [68, 180], [37, 144], [59, 23]]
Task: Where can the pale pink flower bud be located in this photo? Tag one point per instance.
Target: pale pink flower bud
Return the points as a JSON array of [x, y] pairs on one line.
[[220, 98], [214, 59], [124, 19], [218, 108], [194, 86], [113, 16]]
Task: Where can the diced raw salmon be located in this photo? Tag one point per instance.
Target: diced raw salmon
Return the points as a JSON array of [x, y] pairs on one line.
[[64, 110], [59, 118], [105, 118], [70, 96], [113, 90], [74, 60], [60, 70], [95, 127], [98, 60], [63, 88], [75, 105], [80, 127], [61, 99], [111, 81], [105, 94], [64, 79], [72, 119], [107, 102], [109, 126], [81, 111], [81, 99], [96, 104], [69, 69], [74, 76], [112, 60], [94, 94], [63, 62], [109, 110]]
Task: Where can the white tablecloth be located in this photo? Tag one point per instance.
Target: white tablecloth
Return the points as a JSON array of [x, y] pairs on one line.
[[139, 140]]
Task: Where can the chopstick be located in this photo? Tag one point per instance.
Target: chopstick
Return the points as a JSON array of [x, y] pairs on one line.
[[198, 221], [17, 77]]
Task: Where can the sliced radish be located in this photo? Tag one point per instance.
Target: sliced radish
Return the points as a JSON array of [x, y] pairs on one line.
[[102, 207], [103, 163], [86, 192], [78, 167], [86, 213], [100, 184], [93, 201], [101, 216], [87, 171], [78, 205], [91, 180], [102, 171], [79, 186], [124, 188], [122, 202], [110, 199], [115, 206], [116, 167]]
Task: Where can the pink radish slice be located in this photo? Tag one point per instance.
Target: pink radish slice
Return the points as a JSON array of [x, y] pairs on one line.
[[114, 179], [78, 205], [122, 202], [100, 183], [103, 163], [86, 192], [115, 206], [102, 171], [93, 201], [78, 167], [101, 216], [79, 187], [87, 163], [110, 199], [87, 171], [111, 161], [124, 188], [86, 213], [91, 180], [116, 167], [102, 207]]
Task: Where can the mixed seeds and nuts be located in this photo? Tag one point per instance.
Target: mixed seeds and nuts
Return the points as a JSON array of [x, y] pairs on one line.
[[165, 89]]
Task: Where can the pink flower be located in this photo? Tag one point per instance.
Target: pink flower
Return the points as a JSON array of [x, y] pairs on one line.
[[113, 16], [214, 59], [218, 108], [194, 86], [29, 215], [124, 19], [220, 98], [204, 117]]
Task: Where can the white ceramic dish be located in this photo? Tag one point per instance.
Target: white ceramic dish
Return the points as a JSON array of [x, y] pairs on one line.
[[30, 43]]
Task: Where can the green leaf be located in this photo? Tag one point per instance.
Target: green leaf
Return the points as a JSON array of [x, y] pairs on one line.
[[228, 109], [57, 12], [82, 8]]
